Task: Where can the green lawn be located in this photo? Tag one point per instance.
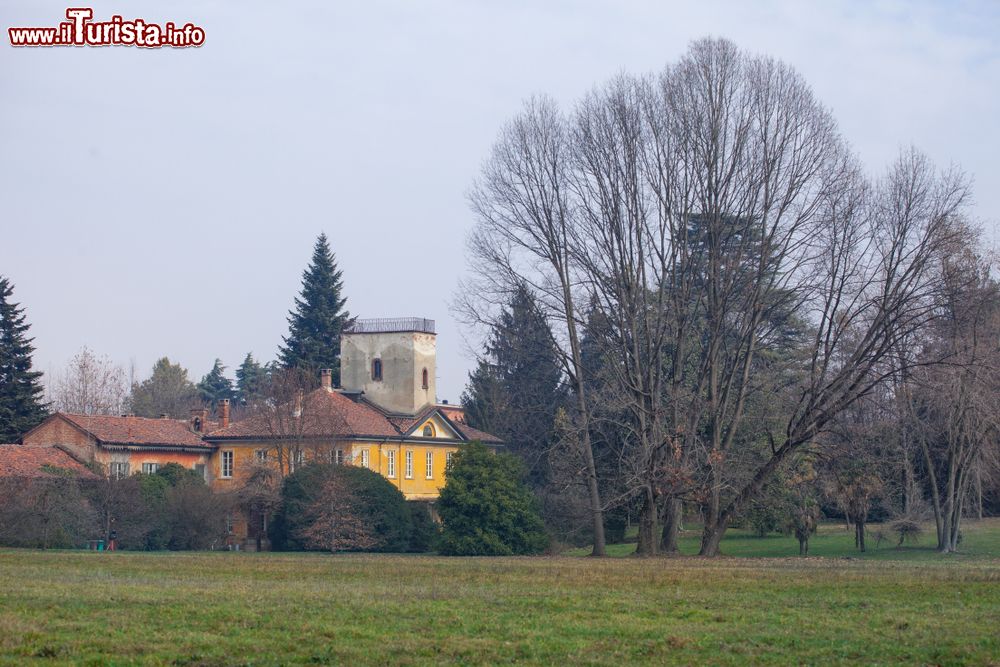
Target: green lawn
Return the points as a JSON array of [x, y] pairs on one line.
[[981, 539], [233, 608]]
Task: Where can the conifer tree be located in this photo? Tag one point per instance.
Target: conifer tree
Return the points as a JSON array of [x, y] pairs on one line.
[[21, 404], [215, 386], [250, 378], [167, 391], [315, 325], [517, 388]]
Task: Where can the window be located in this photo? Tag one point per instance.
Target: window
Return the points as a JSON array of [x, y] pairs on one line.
[[409, 464], [426, 383], [200, 469], [447, 459], [390, 463], [119, 470], [261, 455], [428, 430], [229, 522], [298, 459], [430, 465], [227, 464], [364, 458], [377, 370], [338, 457], [150, 468]]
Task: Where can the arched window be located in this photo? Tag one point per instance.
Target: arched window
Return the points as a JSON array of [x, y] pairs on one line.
[[377, 370], [426, 380], [428, 430]]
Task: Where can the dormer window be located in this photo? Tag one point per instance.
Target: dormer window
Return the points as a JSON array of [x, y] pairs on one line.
[[428, 430], [377, 370], [426, 383]]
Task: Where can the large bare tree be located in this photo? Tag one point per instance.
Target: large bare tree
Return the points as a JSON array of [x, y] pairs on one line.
[[702, 211], [91, 384], [523, 239]]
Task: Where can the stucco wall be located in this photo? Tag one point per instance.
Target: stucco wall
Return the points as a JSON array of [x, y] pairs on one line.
[[404, 356]]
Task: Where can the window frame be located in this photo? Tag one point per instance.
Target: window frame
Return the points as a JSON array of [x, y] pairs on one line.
[[390, 464], [365, 458], [118, 470], [429, 464], [338, 456], [377, 369], [261, 455], [426, 379], [226, 456], [150, 467], [408, 467]]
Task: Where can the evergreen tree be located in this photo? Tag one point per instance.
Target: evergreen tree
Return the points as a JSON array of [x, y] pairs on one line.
[[250, 378], [486, 508], [314, 327], [517, 389], [167, 391], [215, 386], [21, 404]]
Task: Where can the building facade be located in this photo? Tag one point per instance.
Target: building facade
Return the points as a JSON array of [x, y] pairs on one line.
[[384, 417]]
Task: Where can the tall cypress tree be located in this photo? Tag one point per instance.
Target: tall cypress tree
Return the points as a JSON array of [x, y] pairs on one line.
[[21, 404], [215, 386], [314, 326], [517, 388]]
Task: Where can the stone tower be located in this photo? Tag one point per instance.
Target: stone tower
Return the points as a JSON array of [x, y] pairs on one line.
[[393, 361]]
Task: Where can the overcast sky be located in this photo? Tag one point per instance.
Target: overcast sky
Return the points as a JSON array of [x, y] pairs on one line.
[[165, 202]]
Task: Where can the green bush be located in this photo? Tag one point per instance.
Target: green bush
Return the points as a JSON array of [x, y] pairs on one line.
[[487, 509], [379, 505], [425, 529]]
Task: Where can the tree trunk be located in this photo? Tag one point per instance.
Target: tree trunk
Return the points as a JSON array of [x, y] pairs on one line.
[[711, 538], [647, 525], [804, 547], [859, 535], [673, 517]]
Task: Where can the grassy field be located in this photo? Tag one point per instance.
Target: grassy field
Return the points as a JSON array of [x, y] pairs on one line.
[[231, 608], [981, 539]]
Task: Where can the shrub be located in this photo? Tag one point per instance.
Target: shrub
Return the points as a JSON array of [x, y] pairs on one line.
[[486, 508], [378, 504], [907, 531], [425, 529]]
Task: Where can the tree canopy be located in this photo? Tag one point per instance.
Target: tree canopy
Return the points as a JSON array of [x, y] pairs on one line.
[[319, 316], [487, 509], [21, 404]]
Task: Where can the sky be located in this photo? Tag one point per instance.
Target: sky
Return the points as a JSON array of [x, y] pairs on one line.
[[164, 202]]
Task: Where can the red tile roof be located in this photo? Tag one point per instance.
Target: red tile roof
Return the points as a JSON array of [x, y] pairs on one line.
[[109, 430], [324, 414], [40, 462], [333, 414]]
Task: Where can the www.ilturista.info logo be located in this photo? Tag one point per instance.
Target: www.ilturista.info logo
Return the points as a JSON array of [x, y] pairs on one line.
[[79, 30]]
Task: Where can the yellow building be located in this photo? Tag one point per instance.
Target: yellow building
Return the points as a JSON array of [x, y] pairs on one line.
[[384, 417]]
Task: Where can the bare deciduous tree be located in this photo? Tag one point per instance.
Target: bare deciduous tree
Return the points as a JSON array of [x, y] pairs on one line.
[[91, 385], [702, 211]]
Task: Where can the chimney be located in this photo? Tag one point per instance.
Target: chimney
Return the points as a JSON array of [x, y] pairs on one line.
[[198, 418], [326, 379], [224, 412]]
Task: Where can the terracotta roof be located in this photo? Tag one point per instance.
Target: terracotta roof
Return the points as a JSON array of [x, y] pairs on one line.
[[333, 414], [475, 434], [141, 431], [40, 462], [324, 414]]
